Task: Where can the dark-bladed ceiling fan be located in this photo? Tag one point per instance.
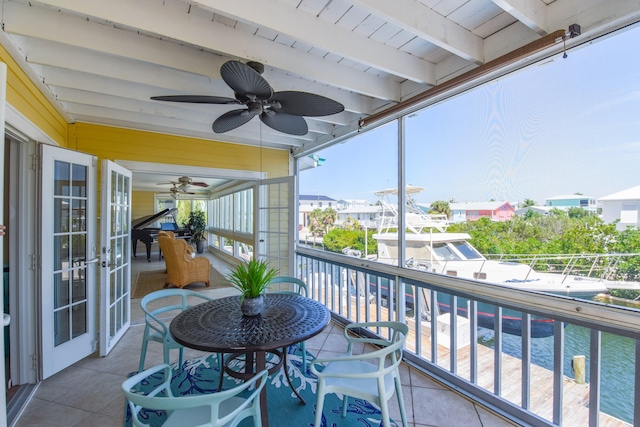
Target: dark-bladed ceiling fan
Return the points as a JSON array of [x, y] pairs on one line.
[[281, 111]]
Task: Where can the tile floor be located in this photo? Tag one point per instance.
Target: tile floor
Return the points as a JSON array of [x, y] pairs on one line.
[[88, 392]]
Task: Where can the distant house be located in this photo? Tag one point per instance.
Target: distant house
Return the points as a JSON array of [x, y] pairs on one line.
[[365, 215], [352, 203], [472, 211], [623, 205], [566, 202], [308, 203]]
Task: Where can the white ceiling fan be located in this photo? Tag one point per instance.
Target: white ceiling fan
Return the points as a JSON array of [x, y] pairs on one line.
[[183, 183], [177, 190]]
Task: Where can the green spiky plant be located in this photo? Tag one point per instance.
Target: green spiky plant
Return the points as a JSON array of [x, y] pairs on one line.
[[252, 278]]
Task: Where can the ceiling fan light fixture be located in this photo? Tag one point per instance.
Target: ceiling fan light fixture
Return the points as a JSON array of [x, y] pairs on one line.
[[255, 107]]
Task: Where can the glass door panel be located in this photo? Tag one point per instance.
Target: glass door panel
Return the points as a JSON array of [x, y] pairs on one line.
[[115, 271], [67, 192]]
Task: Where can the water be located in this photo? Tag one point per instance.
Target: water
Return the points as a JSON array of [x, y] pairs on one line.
[[617, 363]]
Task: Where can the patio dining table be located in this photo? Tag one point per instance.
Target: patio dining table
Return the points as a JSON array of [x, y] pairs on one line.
[[218, 326]]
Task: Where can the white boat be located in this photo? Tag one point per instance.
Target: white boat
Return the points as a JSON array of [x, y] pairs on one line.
[[428, 246]]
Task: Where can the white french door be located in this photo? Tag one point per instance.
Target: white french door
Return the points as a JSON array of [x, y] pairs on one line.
[[68, 257], [274, 201], [115, 269]]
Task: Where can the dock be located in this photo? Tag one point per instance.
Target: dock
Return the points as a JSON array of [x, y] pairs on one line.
[[575, 396]]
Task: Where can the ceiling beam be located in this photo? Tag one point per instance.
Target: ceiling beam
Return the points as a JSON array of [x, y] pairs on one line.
[[418, 19], [53, 54], [310, 29], [165, 20], [532, 13]]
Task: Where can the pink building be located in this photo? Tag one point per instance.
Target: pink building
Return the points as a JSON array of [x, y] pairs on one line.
[[472, 211]]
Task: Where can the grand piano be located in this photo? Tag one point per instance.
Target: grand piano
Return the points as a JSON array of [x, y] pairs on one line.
[[148, 235]]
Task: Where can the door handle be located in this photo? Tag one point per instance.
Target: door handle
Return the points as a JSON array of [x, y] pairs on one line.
[[93, 261]]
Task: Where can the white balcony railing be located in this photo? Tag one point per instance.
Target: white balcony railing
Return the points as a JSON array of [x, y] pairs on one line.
[[537, 358]]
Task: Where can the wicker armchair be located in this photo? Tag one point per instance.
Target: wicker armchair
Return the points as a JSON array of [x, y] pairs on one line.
[[182, 269], [171, 234]]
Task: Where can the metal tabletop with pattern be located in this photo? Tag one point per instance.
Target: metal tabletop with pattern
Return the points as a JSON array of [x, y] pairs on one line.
[[218, 326]]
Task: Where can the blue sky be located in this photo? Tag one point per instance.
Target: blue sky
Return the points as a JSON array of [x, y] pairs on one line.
[[561, 127]]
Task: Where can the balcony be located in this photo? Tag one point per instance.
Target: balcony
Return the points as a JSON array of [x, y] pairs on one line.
[[88, 393], [447, 379]]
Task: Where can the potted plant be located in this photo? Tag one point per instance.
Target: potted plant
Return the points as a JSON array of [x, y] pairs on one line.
[[197, 223], [252, 279]]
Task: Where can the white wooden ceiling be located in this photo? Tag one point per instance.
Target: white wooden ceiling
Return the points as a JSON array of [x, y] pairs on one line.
[[100, 61]]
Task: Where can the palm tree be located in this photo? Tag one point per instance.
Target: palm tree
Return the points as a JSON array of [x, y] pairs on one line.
[[328, 218], [315, 221], [440, 207]]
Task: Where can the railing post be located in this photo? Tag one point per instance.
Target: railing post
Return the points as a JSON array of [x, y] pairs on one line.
[[526, 360], [401, 299], [636, 406], [497, 345], [453, 335], [473, 341], [594, 377], [378, 299], [418, 308], [367, 298], [434, 327], [558, 366]]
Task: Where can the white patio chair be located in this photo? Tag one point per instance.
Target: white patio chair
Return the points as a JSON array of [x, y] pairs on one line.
[[155, 328], [219, 409], [365, 376], [283, 286]]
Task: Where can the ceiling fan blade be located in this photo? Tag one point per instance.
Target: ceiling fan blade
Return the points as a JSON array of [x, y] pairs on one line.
[[197, 99], [245, 81], [200, 184], [231, 120], [286, 123], [305, 104]]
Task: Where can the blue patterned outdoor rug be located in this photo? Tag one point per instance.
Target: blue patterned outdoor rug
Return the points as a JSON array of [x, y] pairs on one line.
[[201, 375]]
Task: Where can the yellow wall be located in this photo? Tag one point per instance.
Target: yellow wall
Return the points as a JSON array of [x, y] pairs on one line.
[[142, 204], [25, 97], [112, 143]]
